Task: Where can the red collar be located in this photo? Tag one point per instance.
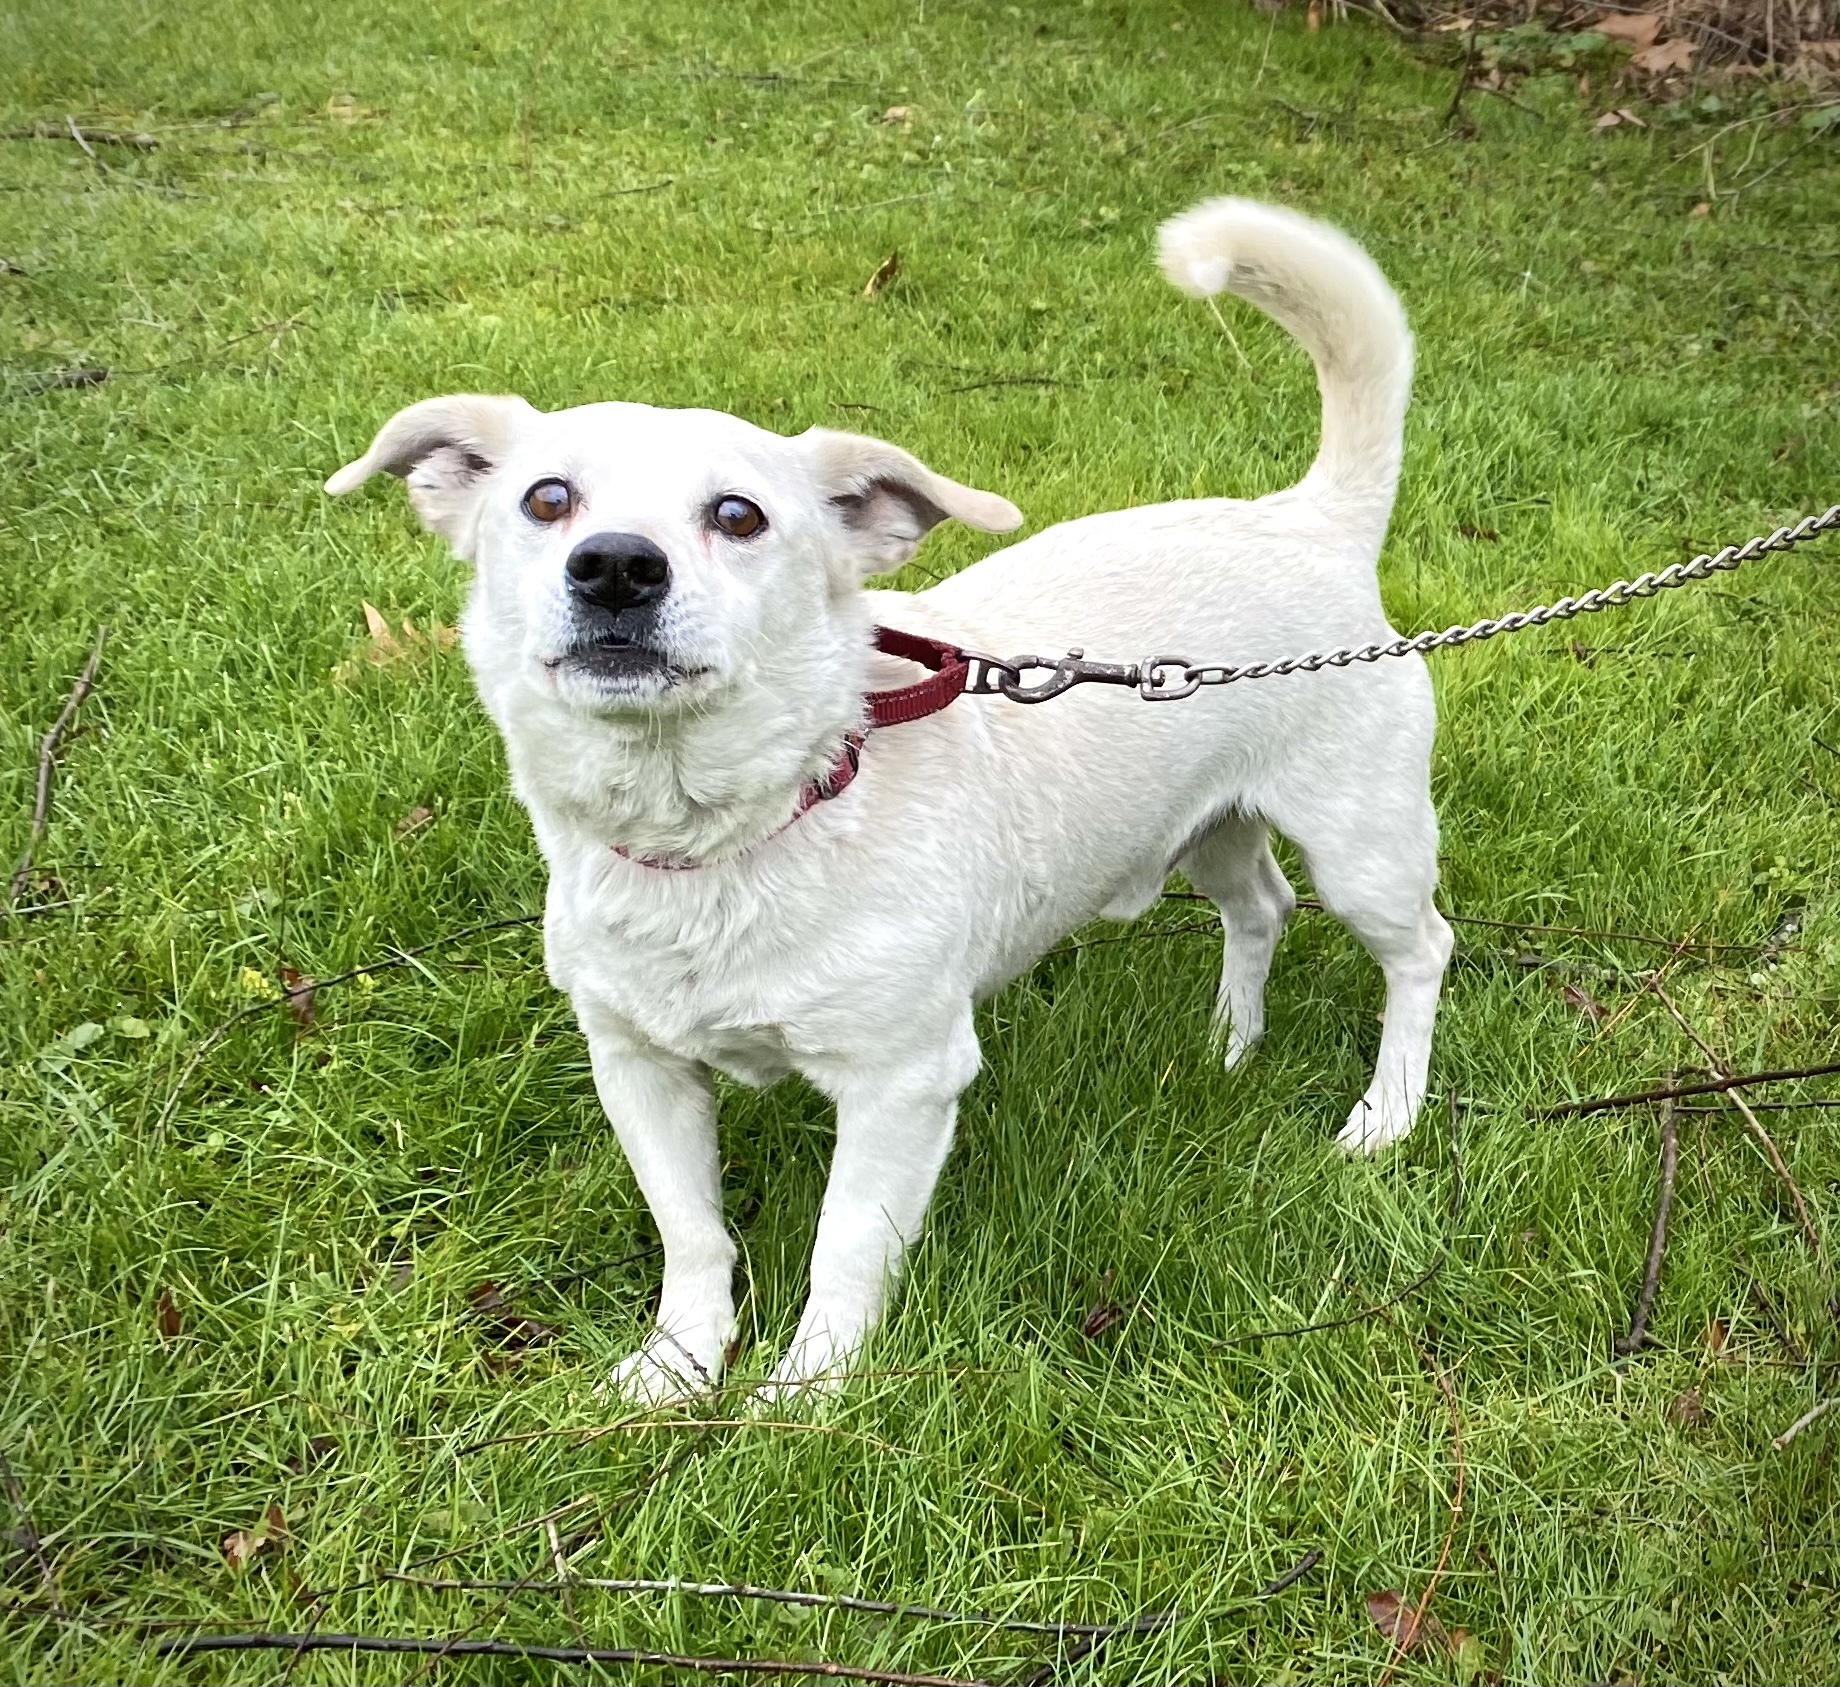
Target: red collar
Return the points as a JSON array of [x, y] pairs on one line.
[[951, 668]]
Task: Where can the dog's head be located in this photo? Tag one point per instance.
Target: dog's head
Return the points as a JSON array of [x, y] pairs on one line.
[[634, 560]]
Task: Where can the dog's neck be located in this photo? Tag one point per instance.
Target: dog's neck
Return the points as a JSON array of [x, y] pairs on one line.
[[696, 786]]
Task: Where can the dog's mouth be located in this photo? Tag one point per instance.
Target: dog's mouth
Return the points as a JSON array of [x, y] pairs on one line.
[[619, 665]]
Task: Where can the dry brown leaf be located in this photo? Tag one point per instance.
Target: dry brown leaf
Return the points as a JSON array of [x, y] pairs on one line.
[[1609, 120], [414, 820], [1407, 1626], [297, 989], [902, 114], [1104, 1314], [517, 1334], [1702, 209], [1487, 534], [1639, 29], [166, 1316], [1587, 1004], [1665, 58], [242, 1545], [1718, 1337], [885, 272], [386, 645], [1688, 1410]]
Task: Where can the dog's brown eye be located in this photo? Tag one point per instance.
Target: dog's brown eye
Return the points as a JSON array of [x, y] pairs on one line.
[[740, 518], [548, 500]]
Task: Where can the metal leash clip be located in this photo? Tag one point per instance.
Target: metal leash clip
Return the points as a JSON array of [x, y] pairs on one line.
[[1152, 687], [992, 674]]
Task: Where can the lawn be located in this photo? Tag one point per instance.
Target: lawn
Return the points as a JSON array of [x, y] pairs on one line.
[[267, 1300]]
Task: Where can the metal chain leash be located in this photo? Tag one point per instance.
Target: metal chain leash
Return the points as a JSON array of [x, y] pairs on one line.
[[1165, 679]]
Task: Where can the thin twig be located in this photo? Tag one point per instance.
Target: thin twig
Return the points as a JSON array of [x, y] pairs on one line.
[[1381, 1308], [1309, 904], [35, 1547], [1657, 1240], [403, 957], [89, 151], [1652, 982], [1089, 1648], [789, 1596], [1714, 1086], [1404, 1637], [1765, 1140], [564, 1581], [643, 1421], [552, 1654], [1813, 1415], [102, 137], [47, 763]]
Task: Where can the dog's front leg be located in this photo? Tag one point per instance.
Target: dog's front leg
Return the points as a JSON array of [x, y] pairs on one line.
[[663, 1111], [894, 1130]]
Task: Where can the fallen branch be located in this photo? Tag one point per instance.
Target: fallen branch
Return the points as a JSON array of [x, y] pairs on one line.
[[102, 137], [1380, 1309], [1406, 1634], [1309, 904], [1765, 1140], [1813, 1415], [417, 1647], [402, 958], [792, 1596], [1088, 1649], [1674, 1092], [47, 763], [1657, 1240], [28, 1532]]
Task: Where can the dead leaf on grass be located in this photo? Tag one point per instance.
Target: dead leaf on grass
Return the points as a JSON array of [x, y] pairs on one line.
[[901, 114], [1587, 1004], [297, 990], [1639, 29], [885, 272], [516, 1334], [1104, 1314], [1688, 1410], [240, 1546], [387, 646], [1665, 58], [1407, 1626], [166, 1316], [414, 820], [1470, 530], [1618, 118], [1718, 1337]]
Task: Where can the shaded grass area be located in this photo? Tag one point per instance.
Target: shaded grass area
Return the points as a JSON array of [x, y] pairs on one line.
[[272, 1297]]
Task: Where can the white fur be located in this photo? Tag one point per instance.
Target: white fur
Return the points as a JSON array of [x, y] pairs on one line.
[[852, 945]]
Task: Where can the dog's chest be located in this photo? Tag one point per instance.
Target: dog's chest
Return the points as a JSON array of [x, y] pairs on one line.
[[695, 976]]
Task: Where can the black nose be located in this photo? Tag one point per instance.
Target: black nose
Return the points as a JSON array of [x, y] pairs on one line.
[[618, 571]]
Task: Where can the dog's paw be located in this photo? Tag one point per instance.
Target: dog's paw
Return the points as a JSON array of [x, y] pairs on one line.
[[814, 1369], [1377, 1122], [668, 1370], [1238, 1047]]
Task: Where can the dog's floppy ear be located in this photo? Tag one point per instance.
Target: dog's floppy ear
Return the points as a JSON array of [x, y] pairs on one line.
[[444, 448], [888, 501]]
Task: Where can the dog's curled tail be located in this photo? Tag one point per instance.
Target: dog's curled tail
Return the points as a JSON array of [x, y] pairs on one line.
[[1321, 286]]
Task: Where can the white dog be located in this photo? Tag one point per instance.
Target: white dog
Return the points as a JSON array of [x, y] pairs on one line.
[[668, 622]]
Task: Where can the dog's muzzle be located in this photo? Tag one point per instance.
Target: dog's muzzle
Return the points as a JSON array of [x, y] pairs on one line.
[[616, 581], [618, 571]]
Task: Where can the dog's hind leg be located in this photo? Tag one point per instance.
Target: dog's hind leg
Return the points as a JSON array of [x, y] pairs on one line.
[[1232, 866], [1371, 850]]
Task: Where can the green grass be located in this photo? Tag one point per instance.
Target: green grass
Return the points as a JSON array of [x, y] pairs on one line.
[[357, 205]]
